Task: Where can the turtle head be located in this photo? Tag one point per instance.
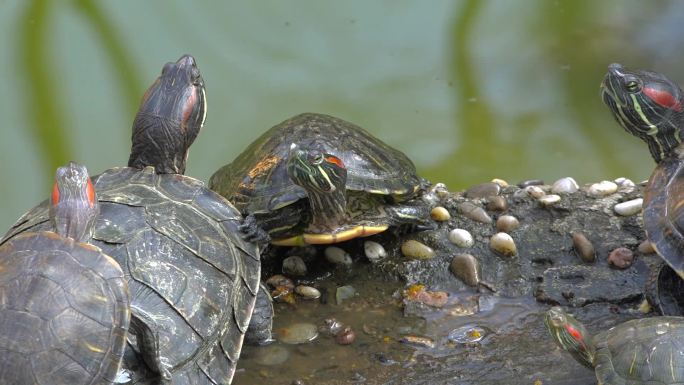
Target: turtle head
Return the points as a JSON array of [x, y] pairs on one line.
[[316, 171], [648, 105], [73, 204], [170, 116], [570, 335]]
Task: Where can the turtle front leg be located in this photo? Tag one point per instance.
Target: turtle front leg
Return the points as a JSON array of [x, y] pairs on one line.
[[413, 215], [144, 327], [252, 232]]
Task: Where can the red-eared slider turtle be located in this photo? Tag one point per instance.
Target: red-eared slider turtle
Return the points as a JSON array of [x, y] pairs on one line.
[[193, 279], [637, 352], [317, 179], [64, 306], [649, 105]]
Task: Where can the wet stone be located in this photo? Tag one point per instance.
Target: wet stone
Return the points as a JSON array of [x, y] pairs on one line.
[[346, 336], [271, 355], [418, 294], [343, 293], [474, 212], [621, 258], [535, 191], [307, 292], [497, 203], [294, 266], [374, 251], [601, 189], [507, 223], [467, 334], [440, 214], [483, 190], [466, 268], [461, 238], [416, 250], [280, 280], [646, 247], [298, 333], [565, 185], [337, 256], [583, 246], [629, 207], [503, 244], [418, 341], [530, 182], [549, 200]]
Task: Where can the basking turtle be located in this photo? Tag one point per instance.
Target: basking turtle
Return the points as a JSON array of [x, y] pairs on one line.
[[64, 305], [649, 105], [637, 352], [317, 179], [193, 279]]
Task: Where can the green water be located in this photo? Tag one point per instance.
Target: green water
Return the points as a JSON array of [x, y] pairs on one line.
[[470, 90]]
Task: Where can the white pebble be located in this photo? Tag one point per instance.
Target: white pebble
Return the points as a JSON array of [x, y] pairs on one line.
[[629, 208], [337, 256], [625, 185], [534, 191], [602, 188], [374, 251], [564, 186], [461, 237], [549, 200]]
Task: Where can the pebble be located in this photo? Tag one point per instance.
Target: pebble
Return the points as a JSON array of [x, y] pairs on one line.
[[294, 266], [621, 258], [629, 207], [467, 334], [346, 336], [331, 326], [646, 247], [337, 256], [549, 200], [474, 212], [497, 203], [307, 292], [565, 185], [417, 293], [530, 182], [374, 251], [280, 280], [271, 355], [344, 292], [602, 188], [416, 250], [535, 191], [461, 238], [467, 268], [503, 244], [583, 246], [435, 194], [507, 223], [625, 185], [440, 214], [423, 342], [500, 182], [483, 190], [298, 333]]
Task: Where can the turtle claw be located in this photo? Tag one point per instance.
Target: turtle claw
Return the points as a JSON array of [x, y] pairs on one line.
[[252, 232]]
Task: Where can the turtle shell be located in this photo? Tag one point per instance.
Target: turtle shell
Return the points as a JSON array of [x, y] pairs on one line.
[[186, 263], [64, 312], [641, 351], [257, 180], [664, 212]]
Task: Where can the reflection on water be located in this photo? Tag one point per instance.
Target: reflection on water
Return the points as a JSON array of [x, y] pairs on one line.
[[470, 90]]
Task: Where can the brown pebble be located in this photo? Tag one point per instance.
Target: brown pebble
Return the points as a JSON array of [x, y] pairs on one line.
[[483, 190], [346, 336], [440, 214], [279, 280], [621, 258], [646, 247], [497, 203], [507, 223], [416, 250], [467, 268], [503, 244], [583, 246], [474, 212]]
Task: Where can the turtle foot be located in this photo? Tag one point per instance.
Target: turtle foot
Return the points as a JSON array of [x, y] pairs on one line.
[[252, 232]]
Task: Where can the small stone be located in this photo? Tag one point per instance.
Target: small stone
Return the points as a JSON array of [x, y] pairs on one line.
[[601, 189], [374, 251], [629, 207], [307, 292], [461, 238], [467, 334], [423, 342], [280, 280], [337, 256], [416, 250], [346, 336], [435, 194], [646, 247], [298, 333], [440, 214], [331, 326], [497, 203], [583, 246], [467, 268], [502, 183], [621, 258], [549, 200], [344, 292], [507, 223], [418, 293], [535, 191], [625, 185], [271, 355], [483, 190], [530, 182], [474, 212], [503, 244], [294, 266], [565, 185]]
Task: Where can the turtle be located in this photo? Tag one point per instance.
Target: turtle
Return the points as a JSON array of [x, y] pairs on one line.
[[637, 352], [64, 304], [193, 278], [318, 179], [648, 105]]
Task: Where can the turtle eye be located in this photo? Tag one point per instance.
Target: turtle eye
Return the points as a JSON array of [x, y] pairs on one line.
[[632, 86], [317, 159], [167, 67]]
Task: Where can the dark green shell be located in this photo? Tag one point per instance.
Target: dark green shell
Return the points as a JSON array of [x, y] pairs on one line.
[[257, 181], [642, 351], [186, 262], [64, 312]]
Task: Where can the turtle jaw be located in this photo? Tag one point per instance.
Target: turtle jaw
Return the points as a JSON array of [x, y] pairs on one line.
[[570, 334]]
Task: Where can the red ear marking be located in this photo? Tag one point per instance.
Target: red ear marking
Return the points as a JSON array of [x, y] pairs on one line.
[[54, 199], [663, 98], [90, 190], [574, 333], [335, 160]]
